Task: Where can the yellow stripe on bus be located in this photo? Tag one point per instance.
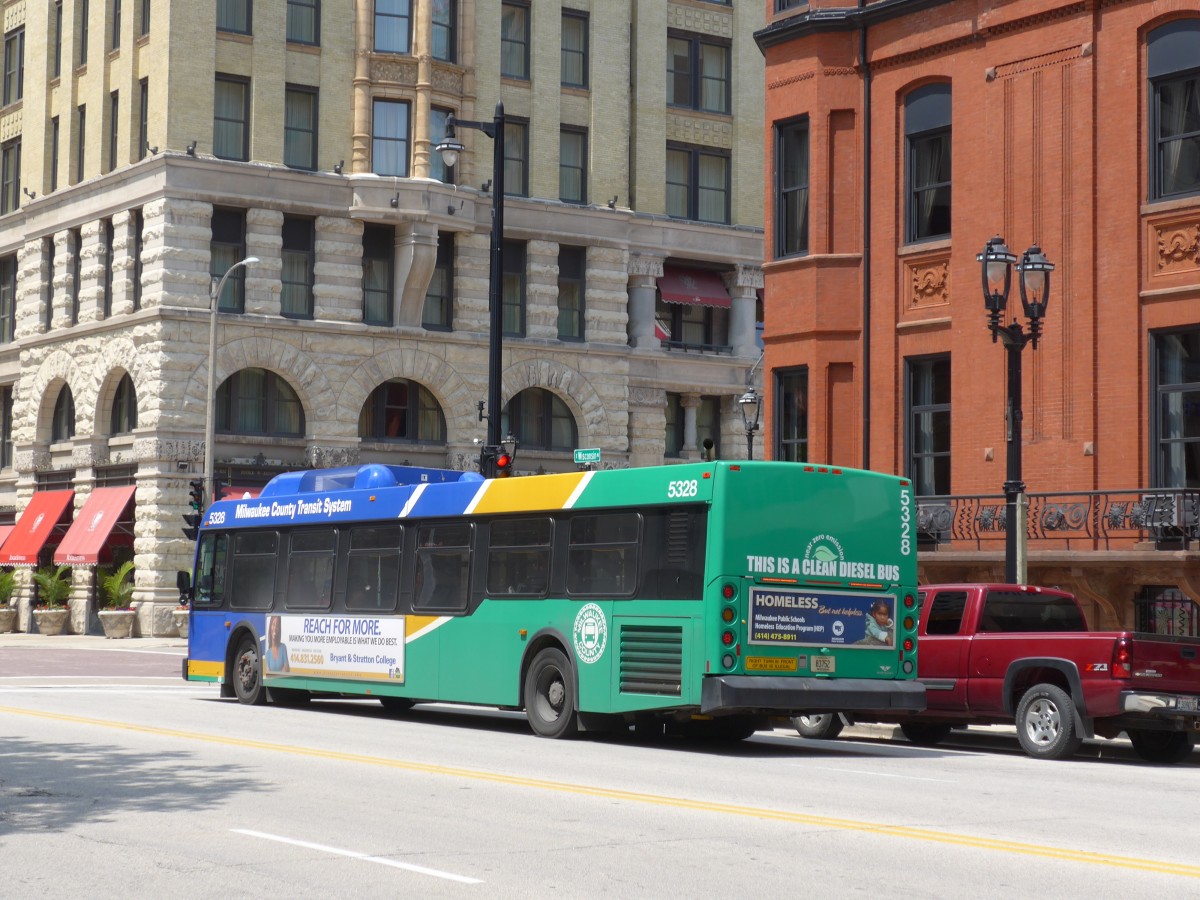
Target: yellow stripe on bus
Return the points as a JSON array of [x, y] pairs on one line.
[[205, 669], [527, 494]]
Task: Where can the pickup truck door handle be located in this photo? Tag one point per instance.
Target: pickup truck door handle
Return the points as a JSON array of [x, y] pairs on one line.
[[1188, 652]]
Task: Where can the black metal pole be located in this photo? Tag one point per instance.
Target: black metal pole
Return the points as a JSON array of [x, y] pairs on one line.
[[1014, 344], [749, 443], [496, 282]]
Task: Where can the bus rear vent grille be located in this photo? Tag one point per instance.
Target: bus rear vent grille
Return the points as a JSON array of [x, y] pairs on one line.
[[652, 659]]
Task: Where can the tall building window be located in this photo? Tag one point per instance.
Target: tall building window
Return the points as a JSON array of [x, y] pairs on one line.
[[516, 158], [379, 247], [572, 165], [437, 131], [76, 245], [107, 296], [300, 127], [708, 425], [438, 314], [927, 137], [697, 184], [62, 426], [80, 141], [393, 26], [791, 188], [54, 135], [228, 246], [540, 420], [56, 67], [514, 40], [138, 223], [445, 30], [114, 118], [115, 39], [791, 414], [402, 410], [1173, 65], [145, 18], [82, 32], [233, 15], [6, 427], [698, 74], [1176, 413], [48, 292], [928, 438], [574, 49], [572, 263], [513, 289], [123, 418], [304, 21], [389, 140], [296, 300], [231, 118], [255, 401], [143, 118], [10, 176], [14, 65], [8, 297], [691, 326]]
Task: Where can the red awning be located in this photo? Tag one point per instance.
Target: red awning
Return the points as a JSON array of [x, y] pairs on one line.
[[93, 524], [45, 510], [5, 531], [236, 492], [696, 286]]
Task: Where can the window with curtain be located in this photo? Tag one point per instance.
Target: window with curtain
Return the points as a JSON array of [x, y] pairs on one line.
[[1173, 64], [300, 127], [233, 15], [928, 437], [8, 296], [258, 402], [791, 188], [296, 299], [226, 247], [697, 184], [389, 140], [10, 176], [393, 26], [304, 21], [572, 262], [791, 414], [123, 417], [572, 165], [62, 426], [927, 137], [1176, 413], [574, 72], [231, 118], [379, 247], [540, 421], [402, 410], [516, 158], [698, 74], [14, 65], [692, 326], [437, 131], [444, 34], [438, 314], [514, 40], [513, 285]]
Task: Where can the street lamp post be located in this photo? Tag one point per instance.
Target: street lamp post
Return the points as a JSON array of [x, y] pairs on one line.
[[1034, 282], [214, 302], [751, 405], [450, 148]]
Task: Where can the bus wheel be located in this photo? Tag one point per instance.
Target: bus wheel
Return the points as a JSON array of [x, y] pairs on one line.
[[247, 672], [550, 695], [396, 704], [819, 726]]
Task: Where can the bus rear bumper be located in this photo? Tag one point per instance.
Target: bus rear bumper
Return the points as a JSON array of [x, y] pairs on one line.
[[798, 696]]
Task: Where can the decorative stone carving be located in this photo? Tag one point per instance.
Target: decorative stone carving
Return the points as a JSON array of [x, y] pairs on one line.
[[394, 71], [928, 280], [1178, 247], [645, 265], [331, 457]]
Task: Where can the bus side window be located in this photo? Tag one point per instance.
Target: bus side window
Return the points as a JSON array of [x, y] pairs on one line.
[[210, 570], [310, 568], [253, 577], [602, 557], [373, 568], [442, 564]]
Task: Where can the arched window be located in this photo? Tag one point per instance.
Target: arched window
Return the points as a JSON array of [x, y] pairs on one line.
[[1173, 66], [123, 418], [63, 427], [402, 410], [255, 401], [540, 421]]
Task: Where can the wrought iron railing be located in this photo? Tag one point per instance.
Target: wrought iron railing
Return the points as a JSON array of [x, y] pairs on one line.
[[1082, 520]]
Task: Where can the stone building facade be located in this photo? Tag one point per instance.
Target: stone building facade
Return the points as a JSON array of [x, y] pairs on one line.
[[145, 152]]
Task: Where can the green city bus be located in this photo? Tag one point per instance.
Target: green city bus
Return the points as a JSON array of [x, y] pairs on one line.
[[700, 598]]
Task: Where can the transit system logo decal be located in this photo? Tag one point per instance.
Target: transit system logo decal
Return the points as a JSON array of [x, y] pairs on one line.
[[590, 633], [822, 555]]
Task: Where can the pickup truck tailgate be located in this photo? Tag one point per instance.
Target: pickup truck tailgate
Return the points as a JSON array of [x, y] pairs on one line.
[[1166, 663]]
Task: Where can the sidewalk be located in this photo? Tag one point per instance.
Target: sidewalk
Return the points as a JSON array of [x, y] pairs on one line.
[[88, 642]]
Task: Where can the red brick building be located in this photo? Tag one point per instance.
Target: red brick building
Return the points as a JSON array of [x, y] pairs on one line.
[[901, 136]]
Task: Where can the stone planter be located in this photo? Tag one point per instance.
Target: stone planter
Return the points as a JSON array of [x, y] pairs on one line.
[[117, 623], [181, 622], [8, 619], [51, 621]]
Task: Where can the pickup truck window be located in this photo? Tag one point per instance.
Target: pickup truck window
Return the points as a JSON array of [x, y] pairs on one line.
[[946, 613], [1005, 611]]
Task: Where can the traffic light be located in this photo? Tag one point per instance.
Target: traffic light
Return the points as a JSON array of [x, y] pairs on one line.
[[504, 462], [196, 502], [487, 460]]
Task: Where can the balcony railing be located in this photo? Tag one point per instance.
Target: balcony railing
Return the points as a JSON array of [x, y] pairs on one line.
[[1084, 520]]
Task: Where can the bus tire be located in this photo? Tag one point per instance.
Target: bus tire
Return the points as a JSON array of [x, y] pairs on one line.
[[1046, 723], [396, 704], [924, 734], [550, 695], [819, 726], [247, 672], [1167, 747]]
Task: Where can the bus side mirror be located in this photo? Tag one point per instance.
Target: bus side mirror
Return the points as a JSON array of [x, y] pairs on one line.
[[183, 582]]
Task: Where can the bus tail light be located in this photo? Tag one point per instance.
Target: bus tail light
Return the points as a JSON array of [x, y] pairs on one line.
[[728, 614], [909, 602], [1122, 666], [727, 660], [908, 623], [728, 590], [908, 645], [727, 638]]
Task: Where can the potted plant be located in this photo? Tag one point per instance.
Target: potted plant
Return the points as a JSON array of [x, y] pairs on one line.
[[8, 614], [116, 589], [53, 589]]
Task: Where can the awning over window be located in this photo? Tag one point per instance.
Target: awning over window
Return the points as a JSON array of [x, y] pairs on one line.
[[699, 287], [33, 529], [93, 524]]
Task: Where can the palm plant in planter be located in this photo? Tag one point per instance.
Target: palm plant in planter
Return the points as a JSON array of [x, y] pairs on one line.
[[116, 589], [8, 587], [53, 588]]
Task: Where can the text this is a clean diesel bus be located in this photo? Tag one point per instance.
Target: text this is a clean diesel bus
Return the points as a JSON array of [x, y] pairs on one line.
[[702, 598]]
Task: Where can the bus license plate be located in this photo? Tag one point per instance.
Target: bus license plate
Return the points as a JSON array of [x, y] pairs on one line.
[[824, 664], [1187, 704]]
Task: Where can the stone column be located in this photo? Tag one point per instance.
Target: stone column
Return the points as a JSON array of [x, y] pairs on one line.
[[743, 285], [644, 272], [414, 261], [360, 142], [124, 262], [264, 239], [690, 403]]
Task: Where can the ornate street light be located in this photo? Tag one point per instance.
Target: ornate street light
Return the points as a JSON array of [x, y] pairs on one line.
[[997, 261], [751, 405]]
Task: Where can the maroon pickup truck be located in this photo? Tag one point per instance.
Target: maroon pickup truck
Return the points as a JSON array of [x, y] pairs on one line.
[[1001, 653]]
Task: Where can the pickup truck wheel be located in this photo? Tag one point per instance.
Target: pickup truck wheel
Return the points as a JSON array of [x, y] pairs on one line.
[[1046, 723], [1162, 746], [819, 727], [927, 735]]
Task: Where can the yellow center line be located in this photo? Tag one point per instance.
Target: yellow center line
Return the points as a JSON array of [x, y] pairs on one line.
[[756, 812]]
